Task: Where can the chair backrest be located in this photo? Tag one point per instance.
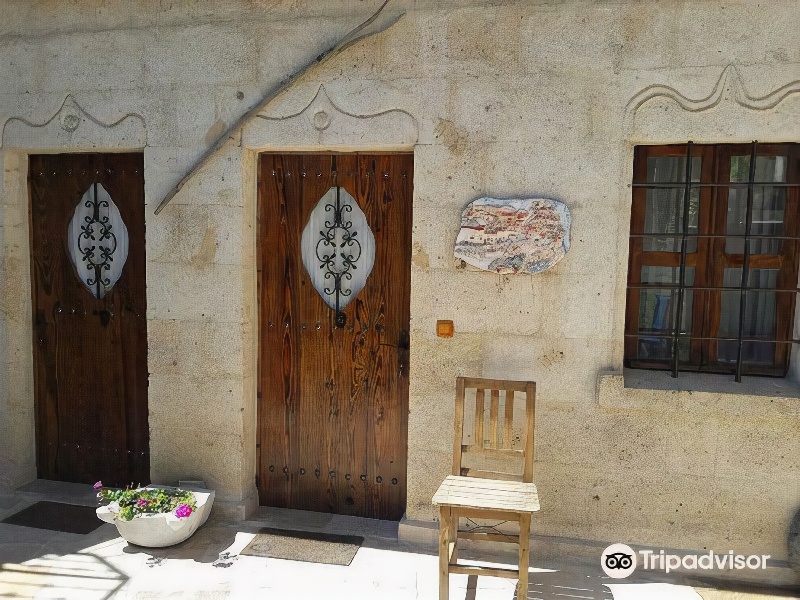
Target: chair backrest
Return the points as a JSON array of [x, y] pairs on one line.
[[493, 437]]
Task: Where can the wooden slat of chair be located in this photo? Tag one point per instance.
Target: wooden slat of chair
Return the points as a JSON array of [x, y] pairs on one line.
[[492, 495], [530, 424], [458, 426], [508, 421], [490, 474], [495, 384], [493, 410], [468, 449], [480, 415]]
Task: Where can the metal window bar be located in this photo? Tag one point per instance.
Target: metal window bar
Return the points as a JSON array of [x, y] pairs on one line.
[[755, 236], [746, 260], [697, 184], [684, 236], [675, 286], [684, 244], [686, 336]]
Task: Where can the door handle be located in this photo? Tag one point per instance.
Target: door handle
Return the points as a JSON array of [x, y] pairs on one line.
[[403, 345]]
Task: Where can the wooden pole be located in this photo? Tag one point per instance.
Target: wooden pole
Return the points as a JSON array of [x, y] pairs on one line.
[[359, 33]]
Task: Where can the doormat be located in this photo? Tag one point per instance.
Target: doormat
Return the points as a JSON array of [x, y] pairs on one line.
[[57, 516], [306, 546]]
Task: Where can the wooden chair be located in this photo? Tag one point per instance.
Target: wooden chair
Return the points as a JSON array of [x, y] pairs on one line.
[[479, 493]]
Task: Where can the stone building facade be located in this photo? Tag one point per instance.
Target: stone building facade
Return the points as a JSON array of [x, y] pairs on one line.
[[500, 99]]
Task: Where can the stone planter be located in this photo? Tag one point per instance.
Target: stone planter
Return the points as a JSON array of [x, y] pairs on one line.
[[165, 529]]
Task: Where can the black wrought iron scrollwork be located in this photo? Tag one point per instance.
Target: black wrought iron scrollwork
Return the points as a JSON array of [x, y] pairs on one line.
[[338, 251], [94, 253]]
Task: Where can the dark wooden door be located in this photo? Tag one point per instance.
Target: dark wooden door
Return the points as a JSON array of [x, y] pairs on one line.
[[90, 353], [333, 408]]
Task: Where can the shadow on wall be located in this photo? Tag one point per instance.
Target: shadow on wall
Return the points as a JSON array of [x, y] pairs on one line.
[[794, 543]]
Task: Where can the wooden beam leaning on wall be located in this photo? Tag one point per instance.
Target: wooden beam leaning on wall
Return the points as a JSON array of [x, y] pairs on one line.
[[368, 28]]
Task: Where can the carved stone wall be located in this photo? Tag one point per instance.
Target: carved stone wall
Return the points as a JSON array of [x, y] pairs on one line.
[[512, 100]]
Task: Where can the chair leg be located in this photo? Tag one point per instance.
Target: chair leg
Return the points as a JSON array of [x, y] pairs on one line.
[[444, 552], [524, 554], [453, 535]]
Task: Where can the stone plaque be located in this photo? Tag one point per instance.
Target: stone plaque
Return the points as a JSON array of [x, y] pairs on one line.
[[513, 235]]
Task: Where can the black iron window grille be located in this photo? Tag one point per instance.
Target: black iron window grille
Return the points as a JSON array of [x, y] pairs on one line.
[[713, 261], [338, 251], [97, 240]]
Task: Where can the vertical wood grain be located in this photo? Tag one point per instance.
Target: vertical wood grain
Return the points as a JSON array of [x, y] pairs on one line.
[[339, 420], [90, 378]]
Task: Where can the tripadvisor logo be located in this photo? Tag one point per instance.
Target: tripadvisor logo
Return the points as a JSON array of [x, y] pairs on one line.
[[619, 561]]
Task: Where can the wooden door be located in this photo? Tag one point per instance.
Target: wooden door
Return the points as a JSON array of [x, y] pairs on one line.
[[333, 392], [90, 338]]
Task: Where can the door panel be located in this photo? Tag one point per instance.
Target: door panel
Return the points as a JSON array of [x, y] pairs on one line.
[[333, 408], [90, 353]]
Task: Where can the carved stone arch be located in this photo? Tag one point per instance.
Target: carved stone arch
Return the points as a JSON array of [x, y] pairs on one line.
[[729, 112], [73, 128], [323, 124]]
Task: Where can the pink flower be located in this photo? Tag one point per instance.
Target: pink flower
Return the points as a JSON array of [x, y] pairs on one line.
[[98, 485], [142, 502], [183, 510]]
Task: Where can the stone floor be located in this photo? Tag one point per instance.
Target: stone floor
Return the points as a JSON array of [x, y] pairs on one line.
[[43, 564]]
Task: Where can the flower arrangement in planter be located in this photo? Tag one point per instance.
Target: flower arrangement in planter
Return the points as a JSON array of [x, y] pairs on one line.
[[154, 516], [130, 503]]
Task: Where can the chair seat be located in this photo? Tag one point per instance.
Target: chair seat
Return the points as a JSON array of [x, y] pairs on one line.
[[487, 494]]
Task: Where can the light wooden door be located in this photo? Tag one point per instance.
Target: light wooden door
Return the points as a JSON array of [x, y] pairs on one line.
[[333, 385], [89, 316]]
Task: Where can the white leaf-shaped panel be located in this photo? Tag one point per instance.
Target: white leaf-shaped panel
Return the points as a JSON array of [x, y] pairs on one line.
[[98, 241], [338, 248]]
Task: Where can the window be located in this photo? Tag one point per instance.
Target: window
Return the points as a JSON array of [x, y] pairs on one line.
[[713, 264]]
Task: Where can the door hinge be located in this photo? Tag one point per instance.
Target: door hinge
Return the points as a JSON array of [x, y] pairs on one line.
[[257, 481]]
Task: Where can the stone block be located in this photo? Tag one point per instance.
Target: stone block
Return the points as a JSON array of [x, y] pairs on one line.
[[214, 457], [197, 235], [200, 402], [504, 305], [51, 61], [195, 347], [765, 446], [692, 445], [173, 55], [218, 182], [423, 483], [436, 362], [176, 291]]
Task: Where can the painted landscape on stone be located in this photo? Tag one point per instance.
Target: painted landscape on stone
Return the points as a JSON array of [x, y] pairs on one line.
[[513, 235]]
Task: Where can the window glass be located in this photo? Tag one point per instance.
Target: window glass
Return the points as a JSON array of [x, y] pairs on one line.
[[672, 169], [759, 318], [664, 209], [713, 214], [658, 312]]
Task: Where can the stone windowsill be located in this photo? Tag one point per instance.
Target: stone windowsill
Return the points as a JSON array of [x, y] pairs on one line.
[[658, 391]]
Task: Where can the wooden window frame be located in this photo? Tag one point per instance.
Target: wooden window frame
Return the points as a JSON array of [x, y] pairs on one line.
[[710, 259]]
